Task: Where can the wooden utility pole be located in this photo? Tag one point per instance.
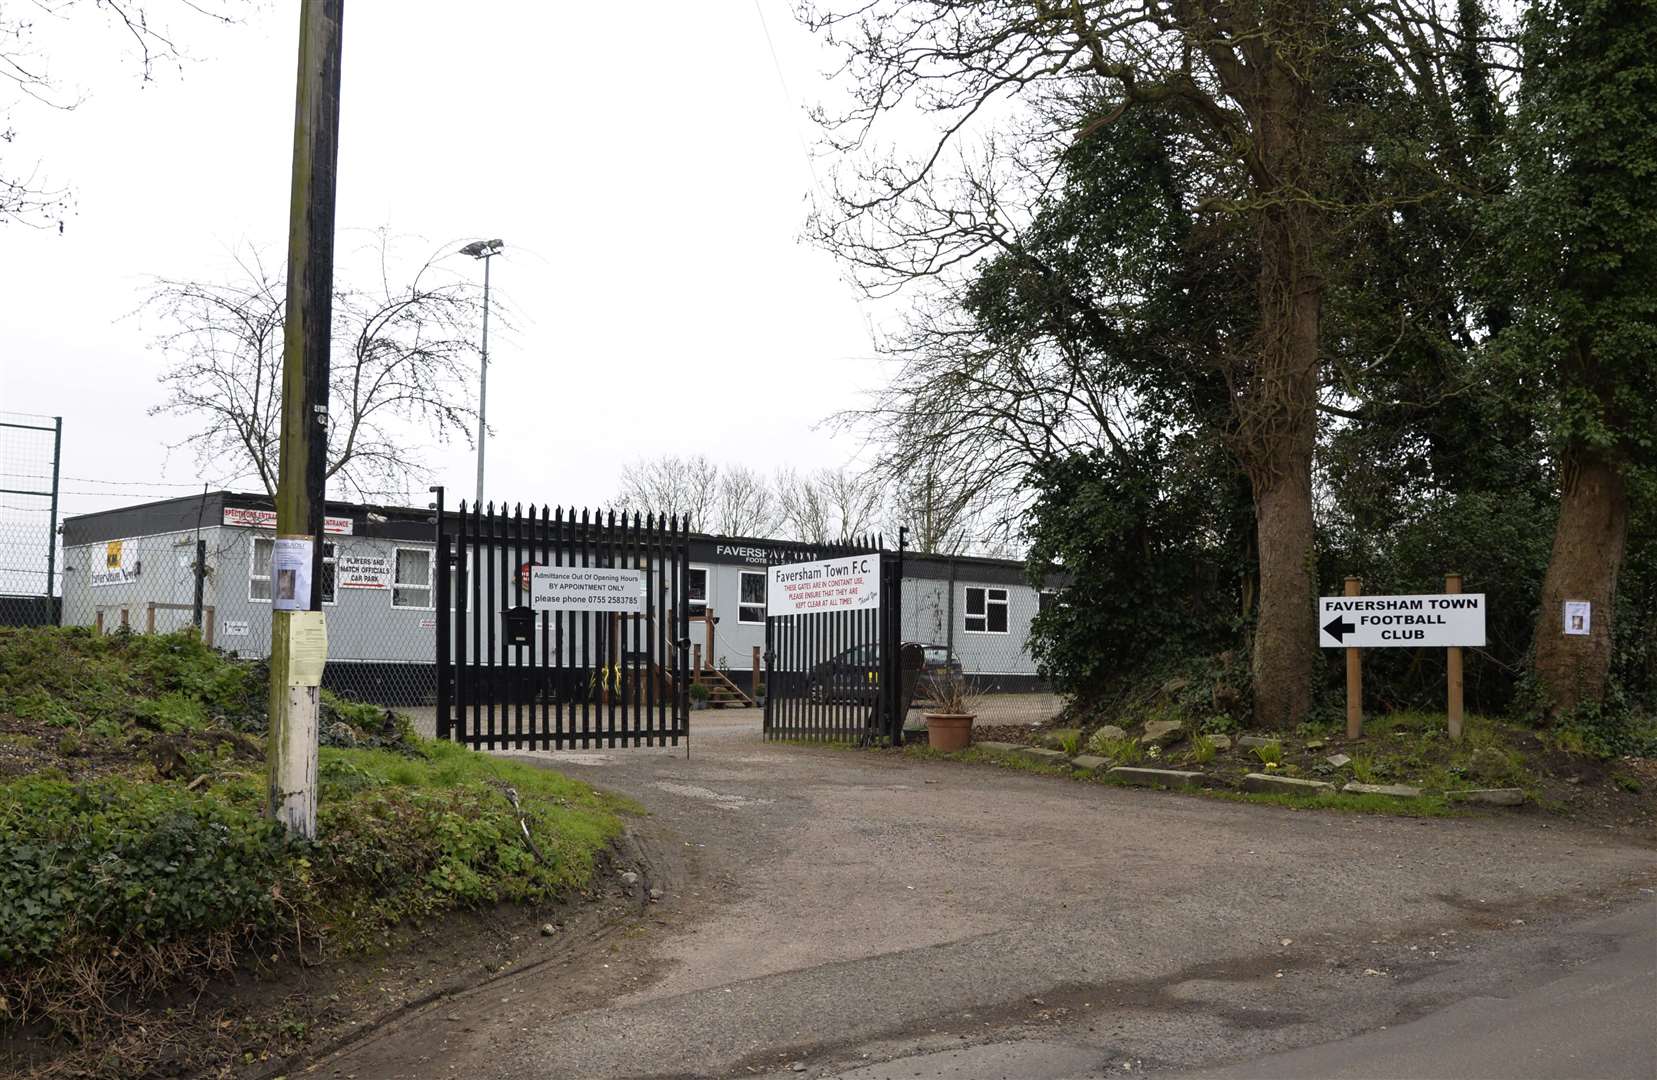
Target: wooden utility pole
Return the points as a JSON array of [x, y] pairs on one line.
[[1452, 670], [1354, 678], [298, 639]]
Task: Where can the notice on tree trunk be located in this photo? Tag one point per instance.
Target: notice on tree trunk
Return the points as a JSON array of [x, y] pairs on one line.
[[1579, 618], [851, 583], [307, 648], [290, 573], [586, 588]]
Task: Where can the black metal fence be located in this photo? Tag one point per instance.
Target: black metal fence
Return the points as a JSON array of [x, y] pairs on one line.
[[832, 675], [512, 676]]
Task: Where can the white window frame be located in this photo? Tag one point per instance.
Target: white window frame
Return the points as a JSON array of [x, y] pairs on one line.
[[707, 590], [431, 579], [1006, 603], [253, 561], [742, 606]]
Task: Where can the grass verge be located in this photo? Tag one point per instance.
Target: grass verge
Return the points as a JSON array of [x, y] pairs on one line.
[[134, 858]]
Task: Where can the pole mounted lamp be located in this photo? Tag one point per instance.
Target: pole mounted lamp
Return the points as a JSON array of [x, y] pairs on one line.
[[485, 250]]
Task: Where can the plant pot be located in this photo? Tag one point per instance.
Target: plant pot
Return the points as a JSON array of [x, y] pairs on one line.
[[949, 731]]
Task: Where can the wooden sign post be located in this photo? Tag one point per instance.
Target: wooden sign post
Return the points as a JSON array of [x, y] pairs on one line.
[[1354, 679], [1449, 620], [1452, 669]]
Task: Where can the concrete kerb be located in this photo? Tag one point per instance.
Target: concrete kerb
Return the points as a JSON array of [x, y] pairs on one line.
[[1265, 783]]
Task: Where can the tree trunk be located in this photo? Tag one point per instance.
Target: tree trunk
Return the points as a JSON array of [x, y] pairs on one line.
[[1285, 645], [1588, 548], [1277, 429]]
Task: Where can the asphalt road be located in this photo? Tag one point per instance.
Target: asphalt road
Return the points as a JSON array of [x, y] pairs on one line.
[[842, 913]]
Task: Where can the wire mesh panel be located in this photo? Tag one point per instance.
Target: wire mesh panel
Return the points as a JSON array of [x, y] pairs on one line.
[[378, 597], [516, 669], [973, 617], [29, 448], [827, 672]]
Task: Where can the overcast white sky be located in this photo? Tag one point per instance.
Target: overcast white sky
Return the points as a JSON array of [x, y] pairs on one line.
[[645, 169]]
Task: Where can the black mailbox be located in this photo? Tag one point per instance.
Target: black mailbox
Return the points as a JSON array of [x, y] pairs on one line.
[[520, 625]]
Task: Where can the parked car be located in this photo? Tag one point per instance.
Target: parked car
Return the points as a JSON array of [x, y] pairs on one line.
[[854, 673]]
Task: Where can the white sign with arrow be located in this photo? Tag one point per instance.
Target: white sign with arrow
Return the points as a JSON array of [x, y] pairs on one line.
[[1382, 622]]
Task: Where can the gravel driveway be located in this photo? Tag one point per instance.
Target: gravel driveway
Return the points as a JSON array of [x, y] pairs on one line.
[[827, 910]]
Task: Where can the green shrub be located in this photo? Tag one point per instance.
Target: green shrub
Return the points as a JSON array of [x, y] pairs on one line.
[[1201, 751], [114, 861], [1271, 753]]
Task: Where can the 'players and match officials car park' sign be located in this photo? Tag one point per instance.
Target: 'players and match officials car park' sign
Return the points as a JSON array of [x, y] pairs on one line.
[[1380, 622]]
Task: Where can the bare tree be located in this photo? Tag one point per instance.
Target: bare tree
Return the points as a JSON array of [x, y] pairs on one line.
[[404, 354], [830, 506], [745, 505], [803, 513], [686, 487], [939, 505], [26, 80]]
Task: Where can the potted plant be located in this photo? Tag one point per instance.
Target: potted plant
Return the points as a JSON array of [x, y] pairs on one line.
[[759, 695], [954, 705], [698, 695]]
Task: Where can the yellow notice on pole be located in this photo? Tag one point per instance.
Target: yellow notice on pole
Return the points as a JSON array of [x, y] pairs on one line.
[[307, 647]]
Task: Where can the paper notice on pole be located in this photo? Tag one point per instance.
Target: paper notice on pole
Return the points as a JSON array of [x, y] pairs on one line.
[[307, 648], [290, 573], [1579, 618]]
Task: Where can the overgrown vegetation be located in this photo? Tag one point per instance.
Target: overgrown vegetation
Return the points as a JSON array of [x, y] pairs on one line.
[[133, 853], [1229, 304]]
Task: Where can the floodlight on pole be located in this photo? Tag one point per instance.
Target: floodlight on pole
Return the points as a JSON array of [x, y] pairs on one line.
[[485, 250]]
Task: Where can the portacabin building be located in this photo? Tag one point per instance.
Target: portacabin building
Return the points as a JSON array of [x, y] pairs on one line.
[[140, 566]]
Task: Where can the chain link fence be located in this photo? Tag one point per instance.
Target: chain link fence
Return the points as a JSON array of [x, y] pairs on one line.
[[378, 595], [28, 518], [975, 615]]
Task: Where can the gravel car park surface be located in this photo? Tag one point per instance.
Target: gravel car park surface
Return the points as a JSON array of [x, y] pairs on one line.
[[827, 912]]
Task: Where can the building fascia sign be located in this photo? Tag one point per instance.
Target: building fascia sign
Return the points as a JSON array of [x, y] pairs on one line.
[[266, 519], [1380, 622], [758, 556], [850, 583]]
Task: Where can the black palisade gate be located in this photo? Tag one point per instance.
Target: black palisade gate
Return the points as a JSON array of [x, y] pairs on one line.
[[832, 675], [512, 677]]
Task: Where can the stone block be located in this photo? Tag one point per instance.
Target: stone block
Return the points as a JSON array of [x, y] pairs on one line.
[[1249, 742], [1339, 761], [1397, 791], [1221, 742], [1286, 785], [1163, 732], [1041, 755], [1089, 763], [1103, 735], [1172, 778], [1055, 739]]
